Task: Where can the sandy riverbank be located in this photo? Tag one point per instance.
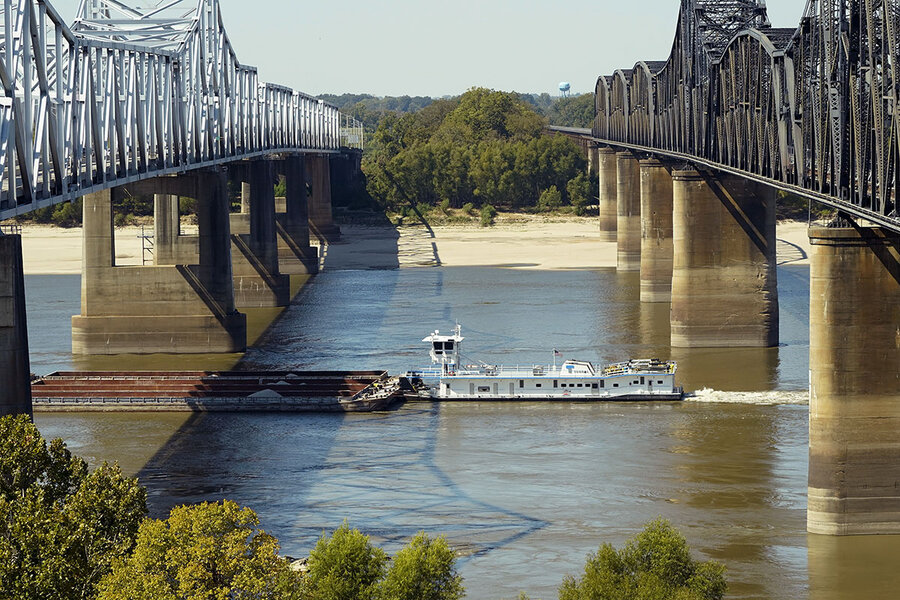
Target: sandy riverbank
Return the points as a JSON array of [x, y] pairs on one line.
[[535, 243]]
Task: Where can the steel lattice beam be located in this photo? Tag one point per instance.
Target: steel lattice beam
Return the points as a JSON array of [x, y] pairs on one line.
[[813, 110], [132, 92]]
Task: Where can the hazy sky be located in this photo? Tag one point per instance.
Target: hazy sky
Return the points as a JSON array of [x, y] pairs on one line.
[[430, 48]]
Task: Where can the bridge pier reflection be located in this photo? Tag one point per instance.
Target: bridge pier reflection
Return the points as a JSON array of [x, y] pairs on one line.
[[183, 308], [656, 232], [724, 281], [15, 381], [628, 224], [608, 173], [854, 420]]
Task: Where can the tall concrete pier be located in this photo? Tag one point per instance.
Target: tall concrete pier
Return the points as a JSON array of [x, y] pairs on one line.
[[656, 232], [321, 219], [169, 246], [258, 282], [628, 222], [295, 255], [608, 173], [163, 308], [15, 380], [854, 410], [724, 282]]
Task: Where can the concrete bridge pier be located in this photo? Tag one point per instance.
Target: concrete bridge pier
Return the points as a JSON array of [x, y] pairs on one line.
[[258, 282], [854, 407], [184, 308], [295, 255], [608, 170], [656, 232], [592, 159], [321, 218], [724, 282], [169, 246], [15, 370], [628, 222]]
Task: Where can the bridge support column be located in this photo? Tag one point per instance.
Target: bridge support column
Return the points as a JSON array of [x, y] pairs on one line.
[[295, 255], [592, 159], [258, 282], [724, 282], [608, 173], [656, 232], [628, 222], [180, 309], [15, 372], [169, 246], [321, 219], [854, 408]]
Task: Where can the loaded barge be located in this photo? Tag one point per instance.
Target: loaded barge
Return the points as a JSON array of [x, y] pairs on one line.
[[215, 391]]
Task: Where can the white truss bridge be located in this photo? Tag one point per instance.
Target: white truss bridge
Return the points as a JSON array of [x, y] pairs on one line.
[[136, 89]]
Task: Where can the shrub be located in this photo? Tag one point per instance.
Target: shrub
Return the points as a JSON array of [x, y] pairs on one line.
[[488, 213], [655, 564], [423, 570], [468, 208], [445, 206], [551, 199]]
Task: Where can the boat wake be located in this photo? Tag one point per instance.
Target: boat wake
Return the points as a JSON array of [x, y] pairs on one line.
[[772, 398]]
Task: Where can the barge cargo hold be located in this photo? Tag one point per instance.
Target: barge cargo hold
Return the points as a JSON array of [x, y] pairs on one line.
[[215, 391]]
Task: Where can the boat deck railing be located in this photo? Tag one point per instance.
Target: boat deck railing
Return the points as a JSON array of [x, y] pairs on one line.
[[633, 367]]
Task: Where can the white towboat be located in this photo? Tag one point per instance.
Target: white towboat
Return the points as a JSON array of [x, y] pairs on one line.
[[448, 379]]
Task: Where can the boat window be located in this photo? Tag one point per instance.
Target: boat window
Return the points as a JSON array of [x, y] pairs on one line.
[[635, 382], [615, 385], [556, 383], [483, 389], [562, 385], [521, 383], [643, 380], [659, 382], [579, 385], [602, 383], [538, 385], [594, 386], [448, 345]]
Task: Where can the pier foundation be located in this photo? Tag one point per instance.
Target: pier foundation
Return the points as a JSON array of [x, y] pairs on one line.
[[183, 308], [854, 408], [321, 218], [258, 282], [656, 232], [628, 221], [608, 173], [724, 282], [295, 255], [15, 370]]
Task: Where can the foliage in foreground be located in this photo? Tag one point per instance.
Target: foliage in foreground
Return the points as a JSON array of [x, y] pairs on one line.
[[210, 550], [60, 525], [656, 564]]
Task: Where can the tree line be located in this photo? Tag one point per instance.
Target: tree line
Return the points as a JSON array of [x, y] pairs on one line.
[[67, 533], [485, 148]]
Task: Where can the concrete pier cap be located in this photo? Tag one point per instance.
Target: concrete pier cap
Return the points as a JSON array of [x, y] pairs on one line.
[[854, 407], [724, 278]]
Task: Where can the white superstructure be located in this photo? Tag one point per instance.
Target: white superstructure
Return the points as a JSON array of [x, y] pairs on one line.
[[449, 379]]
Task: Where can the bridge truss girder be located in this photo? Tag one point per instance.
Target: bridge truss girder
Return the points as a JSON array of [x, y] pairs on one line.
[[812, 110]]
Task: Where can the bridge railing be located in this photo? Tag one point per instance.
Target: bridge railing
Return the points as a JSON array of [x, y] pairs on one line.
[[814, 110], [129, 96]]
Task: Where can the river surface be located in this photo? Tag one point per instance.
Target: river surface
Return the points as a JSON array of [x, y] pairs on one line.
[[524, 490]]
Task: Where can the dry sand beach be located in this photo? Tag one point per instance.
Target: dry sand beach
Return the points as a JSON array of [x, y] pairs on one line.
[[536, 243]]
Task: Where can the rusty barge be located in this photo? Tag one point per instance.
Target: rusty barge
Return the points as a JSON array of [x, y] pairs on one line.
[[215, 391]]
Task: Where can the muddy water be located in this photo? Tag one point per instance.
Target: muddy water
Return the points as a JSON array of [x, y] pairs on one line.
[[524, 490]]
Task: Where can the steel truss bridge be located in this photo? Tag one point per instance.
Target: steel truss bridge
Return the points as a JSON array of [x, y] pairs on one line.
[[134, 90], [812, 110]]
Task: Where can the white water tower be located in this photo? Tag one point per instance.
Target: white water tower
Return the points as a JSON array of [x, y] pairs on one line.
[[564, 89]]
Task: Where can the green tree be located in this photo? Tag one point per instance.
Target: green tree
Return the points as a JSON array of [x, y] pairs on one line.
[[207, 551], [550, 199], [60, 525], [345, 566], [488, 213], [656, 564], [423, 570], [579, 192]]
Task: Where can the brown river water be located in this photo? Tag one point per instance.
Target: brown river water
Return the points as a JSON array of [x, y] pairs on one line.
[[523, 490]]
